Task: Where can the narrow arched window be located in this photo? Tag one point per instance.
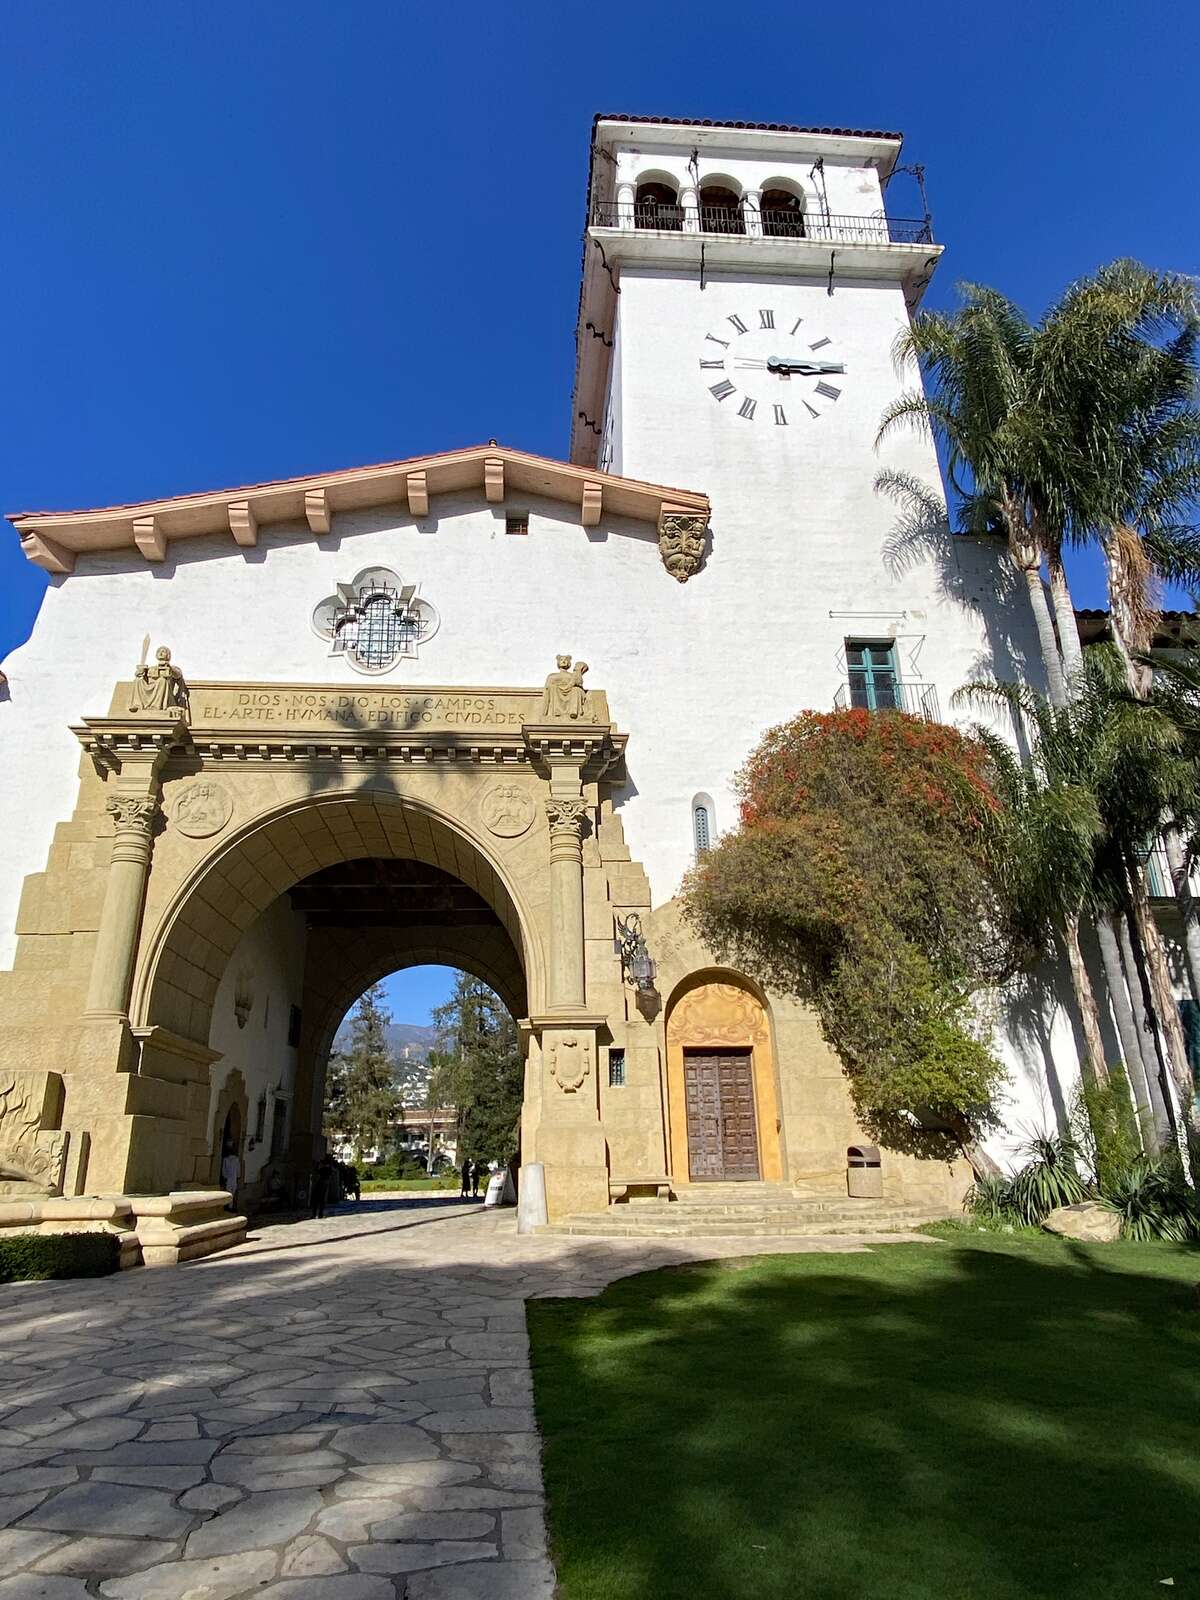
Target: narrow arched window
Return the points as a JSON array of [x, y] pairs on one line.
[[702, 824]]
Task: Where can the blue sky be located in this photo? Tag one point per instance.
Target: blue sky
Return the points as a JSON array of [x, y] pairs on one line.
[[251, 241]]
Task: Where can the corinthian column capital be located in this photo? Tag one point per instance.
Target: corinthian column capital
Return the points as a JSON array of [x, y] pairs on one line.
[[133, 824], [566, 816]]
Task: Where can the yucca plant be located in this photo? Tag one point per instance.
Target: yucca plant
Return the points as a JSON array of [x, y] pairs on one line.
[[990, 1198], [1049, 1179], [1154, 1201]]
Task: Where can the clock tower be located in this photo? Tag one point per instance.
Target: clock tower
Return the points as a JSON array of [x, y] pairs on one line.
[[743, 289]]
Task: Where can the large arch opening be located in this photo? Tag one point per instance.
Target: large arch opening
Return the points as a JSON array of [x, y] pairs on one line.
[[448, 1110], [275, 937]]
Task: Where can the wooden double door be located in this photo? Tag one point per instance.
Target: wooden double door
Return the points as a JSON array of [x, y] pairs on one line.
[[722, 1127]]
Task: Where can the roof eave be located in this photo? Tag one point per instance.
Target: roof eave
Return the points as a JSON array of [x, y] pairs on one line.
[[53, 539]]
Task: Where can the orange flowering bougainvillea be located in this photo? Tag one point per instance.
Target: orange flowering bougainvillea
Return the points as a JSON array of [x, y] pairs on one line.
[[861, 880]]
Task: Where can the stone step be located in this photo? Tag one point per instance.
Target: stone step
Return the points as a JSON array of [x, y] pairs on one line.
[[754, 1207], [703, 1194], [615, 1224]]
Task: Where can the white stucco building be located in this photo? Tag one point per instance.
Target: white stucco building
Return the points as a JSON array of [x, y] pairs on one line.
[[742, 291]]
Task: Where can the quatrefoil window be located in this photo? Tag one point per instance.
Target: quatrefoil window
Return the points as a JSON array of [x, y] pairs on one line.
[[375, 621]]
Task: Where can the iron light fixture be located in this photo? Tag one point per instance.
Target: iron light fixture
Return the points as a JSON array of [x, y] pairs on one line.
[[630, 946]]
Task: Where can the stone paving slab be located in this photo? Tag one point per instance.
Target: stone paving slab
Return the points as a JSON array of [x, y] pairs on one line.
[[336, 1410]]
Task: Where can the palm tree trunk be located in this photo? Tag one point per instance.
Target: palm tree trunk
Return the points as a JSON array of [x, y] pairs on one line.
[[1131, 1044], [1167, 1009], [1132, 615], [1190, 916], [1093, 1067], [1139, 989], [1064, 616], [1056, 688]]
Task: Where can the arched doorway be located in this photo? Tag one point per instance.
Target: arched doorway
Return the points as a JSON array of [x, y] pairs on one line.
[[723, 1102], [268, 945]]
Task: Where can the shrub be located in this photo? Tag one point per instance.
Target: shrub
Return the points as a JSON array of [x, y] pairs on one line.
[[1154, 1201], [862, 880], [1049, 1179], [990, 1199], [25, 1256], [1106, 1128]]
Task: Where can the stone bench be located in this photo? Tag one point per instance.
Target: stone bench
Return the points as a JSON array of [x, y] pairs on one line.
[[185, 1224], [626, 1189], [154, 1230]]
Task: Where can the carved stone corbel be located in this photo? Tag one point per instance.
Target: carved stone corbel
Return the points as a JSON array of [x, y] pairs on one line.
[[681, 539]]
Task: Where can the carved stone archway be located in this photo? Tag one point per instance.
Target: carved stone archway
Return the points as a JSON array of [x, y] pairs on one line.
[[201, 815]]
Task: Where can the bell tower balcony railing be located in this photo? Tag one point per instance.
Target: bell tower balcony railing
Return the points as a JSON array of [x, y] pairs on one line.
[[725, 221], [917, 699]]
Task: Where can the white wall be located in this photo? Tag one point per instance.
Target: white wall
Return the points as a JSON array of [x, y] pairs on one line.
[[693, 672], [269, 963]]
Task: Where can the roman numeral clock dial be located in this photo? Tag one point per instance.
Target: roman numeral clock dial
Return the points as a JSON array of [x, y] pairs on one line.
[[761, 366]]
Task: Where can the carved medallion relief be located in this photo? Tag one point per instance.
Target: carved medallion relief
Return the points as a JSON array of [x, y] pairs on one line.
[[202, 809], [507, 810]]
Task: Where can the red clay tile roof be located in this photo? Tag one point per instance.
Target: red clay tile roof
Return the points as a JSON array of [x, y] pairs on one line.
[[761, 127]]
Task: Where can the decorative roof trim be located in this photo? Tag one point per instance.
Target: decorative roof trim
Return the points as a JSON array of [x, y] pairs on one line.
[[53, 539], [750, 127]]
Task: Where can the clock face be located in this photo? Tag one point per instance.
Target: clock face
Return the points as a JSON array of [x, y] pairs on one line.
[[765, 367]]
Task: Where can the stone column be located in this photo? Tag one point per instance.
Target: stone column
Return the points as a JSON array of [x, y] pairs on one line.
[[752, 213], [626, 197], [689, 199], [133, 817], [566, 987]]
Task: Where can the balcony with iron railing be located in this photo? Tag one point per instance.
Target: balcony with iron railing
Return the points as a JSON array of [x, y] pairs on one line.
[[818, 227], [917, 699]]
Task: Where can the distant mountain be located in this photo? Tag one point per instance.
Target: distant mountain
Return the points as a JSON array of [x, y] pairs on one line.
[[410, 1044], [420, 1039]]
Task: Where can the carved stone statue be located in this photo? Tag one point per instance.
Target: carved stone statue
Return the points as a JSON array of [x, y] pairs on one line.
[[159, 689], [564, 698], [681, 544]]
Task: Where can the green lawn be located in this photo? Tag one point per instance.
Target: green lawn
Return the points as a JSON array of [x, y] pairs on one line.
[[976, 1420], [410, 1185]]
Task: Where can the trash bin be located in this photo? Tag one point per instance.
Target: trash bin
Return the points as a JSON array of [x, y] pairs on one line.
[[864, 1172]]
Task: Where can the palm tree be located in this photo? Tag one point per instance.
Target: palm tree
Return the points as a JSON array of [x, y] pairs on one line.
[[1115, 372], [1081, 429], [1049, 833], [1101, 772], [1117, 366], [976, 364]]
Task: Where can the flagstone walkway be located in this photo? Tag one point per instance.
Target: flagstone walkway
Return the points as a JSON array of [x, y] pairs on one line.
[[337, 1410]]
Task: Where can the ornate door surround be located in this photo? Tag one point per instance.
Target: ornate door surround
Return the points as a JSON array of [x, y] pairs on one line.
[[716, 1016]]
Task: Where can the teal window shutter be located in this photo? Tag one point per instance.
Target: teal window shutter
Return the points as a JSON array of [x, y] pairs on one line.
[[873, 678]]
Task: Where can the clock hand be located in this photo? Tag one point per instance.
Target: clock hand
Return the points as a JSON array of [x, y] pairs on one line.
[[807, 369]]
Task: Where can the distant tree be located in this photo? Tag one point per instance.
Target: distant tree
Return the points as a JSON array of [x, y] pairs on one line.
[[361, 1101], [478, 1070], [861, 880]]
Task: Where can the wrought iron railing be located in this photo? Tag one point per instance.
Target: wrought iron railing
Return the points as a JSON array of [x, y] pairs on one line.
[[825, 228], [918, 699]]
